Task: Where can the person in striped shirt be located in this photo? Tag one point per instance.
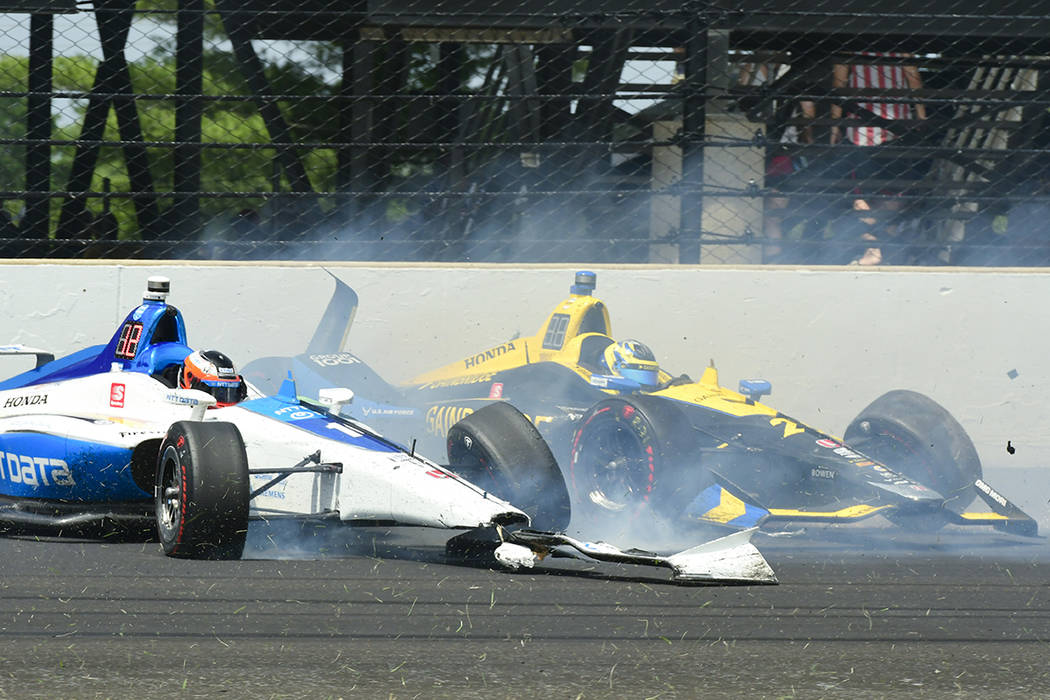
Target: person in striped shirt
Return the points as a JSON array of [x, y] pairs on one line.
[[891, 76]]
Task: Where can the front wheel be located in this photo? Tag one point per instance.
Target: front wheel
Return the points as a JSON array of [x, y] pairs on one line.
[[202, 491], [500, 450], [914, 435]]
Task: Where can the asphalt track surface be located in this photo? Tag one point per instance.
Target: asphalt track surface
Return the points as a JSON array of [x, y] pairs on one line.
[[859, 612]]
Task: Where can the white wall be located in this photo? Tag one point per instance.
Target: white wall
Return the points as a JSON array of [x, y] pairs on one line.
[[830, 339]]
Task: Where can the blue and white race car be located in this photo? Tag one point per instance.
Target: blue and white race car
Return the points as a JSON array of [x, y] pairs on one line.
[[145, 428]]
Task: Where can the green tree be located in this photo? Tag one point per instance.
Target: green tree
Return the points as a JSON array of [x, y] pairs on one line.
[[236, 157]]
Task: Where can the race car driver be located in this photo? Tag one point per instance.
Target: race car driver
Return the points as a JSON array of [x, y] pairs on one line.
[[213, 372], [633, 361]]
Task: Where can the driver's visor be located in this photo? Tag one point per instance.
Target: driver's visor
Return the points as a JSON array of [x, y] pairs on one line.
[[225, 391]]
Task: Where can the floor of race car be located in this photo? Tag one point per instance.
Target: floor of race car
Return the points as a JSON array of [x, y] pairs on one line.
[[862, 611]]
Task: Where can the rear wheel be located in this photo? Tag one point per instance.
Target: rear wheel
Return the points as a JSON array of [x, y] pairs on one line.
[[500, 450], [202, 491], [630, 454], [914, 435]]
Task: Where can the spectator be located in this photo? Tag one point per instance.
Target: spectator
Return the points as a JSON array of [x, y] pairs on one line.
[[889, 76]]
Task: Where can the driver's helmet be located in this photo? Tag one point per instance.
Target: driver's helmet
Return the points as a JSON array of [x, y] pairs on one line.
[[632, 360], [213, 372]]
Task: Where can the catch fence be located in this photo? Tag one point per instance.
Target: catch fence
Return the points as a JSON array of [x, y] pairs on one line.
[[510, 131]]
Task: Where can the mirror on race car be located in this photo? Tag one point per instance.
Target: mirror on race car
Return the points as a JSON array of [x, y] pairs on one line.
[[335, 398], [755, 389]]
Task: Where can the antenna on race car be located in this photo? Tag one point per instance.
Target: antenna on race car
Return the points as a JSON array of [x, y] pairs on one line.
[[157, 289]]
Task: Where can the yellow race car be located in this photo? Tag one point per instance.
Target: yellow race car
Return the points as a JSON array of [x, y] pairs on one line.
[[634, 441]]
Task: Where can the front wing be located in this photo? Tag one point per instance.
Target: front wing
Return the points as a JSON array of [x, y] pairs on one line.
[[720, 506], [729, 559]]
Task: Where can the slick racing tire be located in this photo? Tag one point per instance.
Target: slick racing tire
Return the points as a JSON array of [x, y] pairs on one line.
[[628, 455], [500, 450], [202, 491], [914, 435]]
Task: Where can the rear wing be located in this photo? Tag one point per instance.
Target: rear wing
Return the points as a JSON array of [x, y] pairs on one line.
[[42, 356], [334, 328]]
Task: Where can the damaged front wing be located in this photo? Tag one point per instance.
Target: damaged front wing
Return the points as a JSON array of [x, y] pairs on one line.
[[727, 560]]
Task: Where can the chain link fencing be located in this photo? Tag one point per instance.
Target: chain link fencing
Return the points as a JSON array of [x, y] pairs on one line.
[[669, 133]]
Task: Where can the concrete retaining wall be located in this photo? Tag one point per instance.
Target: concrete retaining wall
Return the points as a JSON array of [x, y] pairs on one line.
[[830, 340]]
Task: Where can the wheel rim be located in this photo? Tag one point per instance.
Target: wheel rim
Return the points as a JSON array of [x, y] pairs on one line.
[[169, 500], [615, 467]]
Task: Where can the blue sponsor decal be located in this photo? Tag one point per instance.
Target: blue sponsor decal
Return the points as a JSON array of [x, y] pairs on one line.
[[313, 422], [35, 465], [371, 410], [710, 505]]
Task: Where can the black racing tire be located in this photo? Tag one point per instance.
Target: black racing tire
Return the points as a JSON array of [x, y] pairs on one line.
[[914, 435], [629, 456], [202, 491], [500, 450]]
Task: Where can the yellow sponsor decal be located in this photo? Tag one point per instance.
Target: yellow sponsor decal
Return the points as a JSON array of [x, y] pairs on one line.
[[457, 381], [848, 513], [538, 420], [729, 508], [441, 418], [790, 428], [983, 516]]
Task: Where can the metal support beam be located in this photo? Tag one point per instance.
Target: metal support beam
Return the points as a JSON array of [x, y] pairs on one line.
[[185, 221], [357, 125], [554, 77], [525, 117], [74, 222], [35, 223], [136, 159], [604, 69], [306, 213], [113, 18], [452, 117], [391, 78], [694, 120]]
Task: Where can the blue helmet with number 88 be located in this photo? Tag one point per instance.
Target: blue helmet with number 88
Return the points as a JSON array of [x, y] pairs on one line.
[[632, 360]]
